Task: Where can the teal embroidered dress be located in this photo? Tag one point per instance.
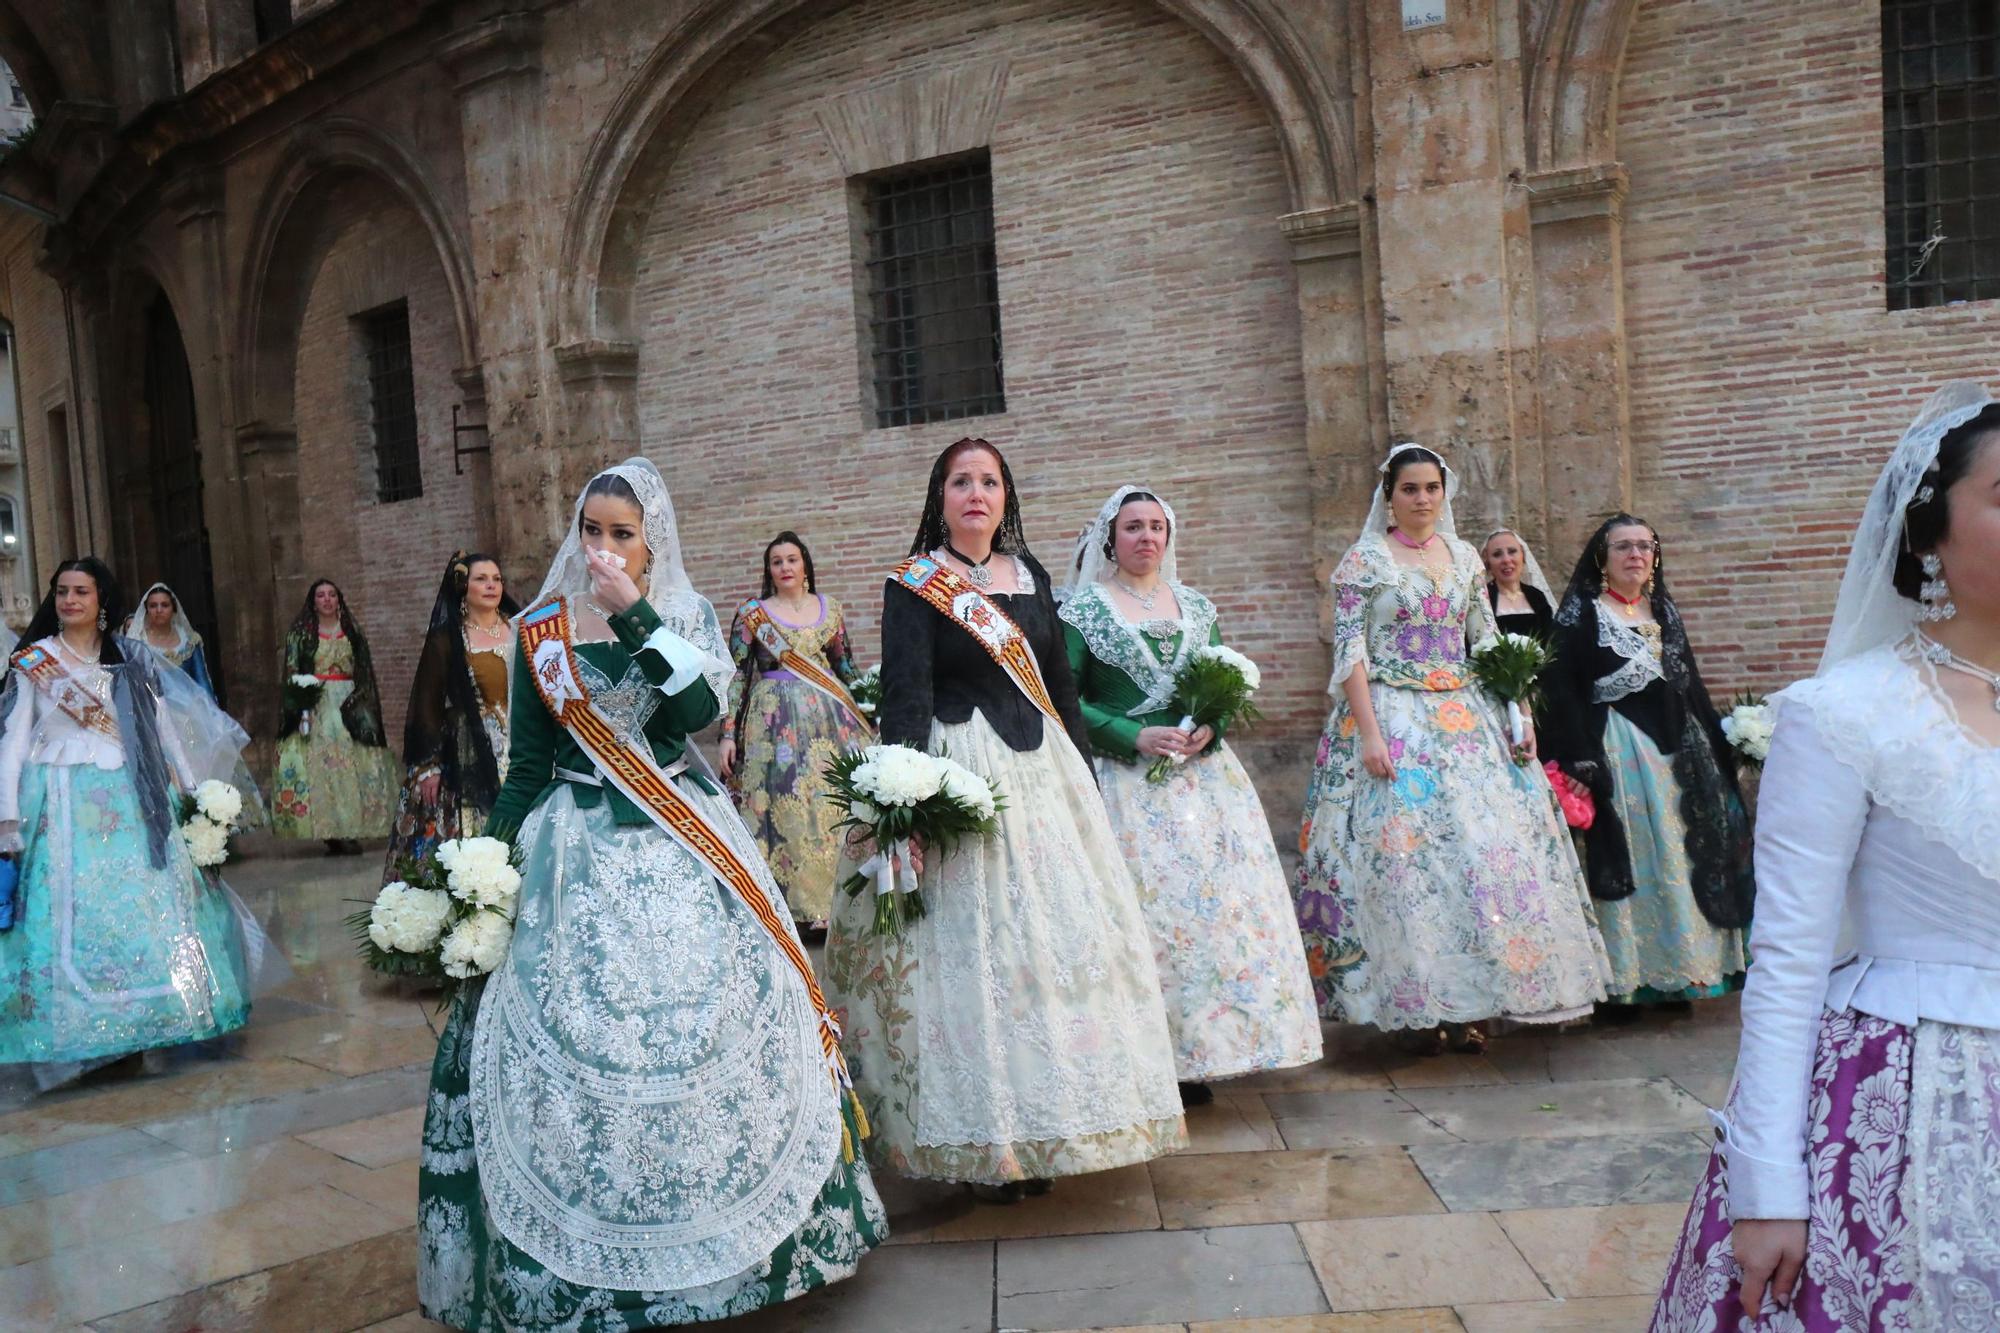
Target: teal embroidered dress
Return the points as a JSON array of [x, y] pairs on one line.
[[630, 1124], [122, 944]]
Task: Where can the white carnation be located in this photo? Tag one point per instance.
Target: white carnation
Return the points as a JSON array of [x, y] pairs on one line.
[[407, 920], [1749, 728], [305, 681], [967, 788], [207, 841], [897, 775], [1519, 641], [219, 801], [865, 812], [477, 872], [476, 945], [1219, 652]]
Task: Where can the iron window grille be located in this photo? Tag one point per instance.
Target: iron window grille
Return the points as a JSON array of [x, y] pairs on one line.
[[392, 396], [1941, 150], [933, 301]]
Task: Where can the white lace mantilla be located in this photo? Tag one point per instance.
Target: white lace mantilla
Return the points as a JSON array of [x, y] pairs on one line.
[[648, 1100], [1117, 642], [1883, 716], [1642, 665]]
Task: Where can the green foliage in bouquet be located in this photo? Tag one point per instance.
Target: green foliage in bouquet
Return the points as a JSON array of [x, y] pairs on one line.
[[895, 794], [866, 690], [1511, 667], [1212, 689]]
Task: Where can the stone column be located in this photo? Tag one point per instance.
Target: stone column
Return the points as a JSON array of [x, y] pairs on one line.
[[536, 470], [1580, 312], [1445, 125], [1333, 341]]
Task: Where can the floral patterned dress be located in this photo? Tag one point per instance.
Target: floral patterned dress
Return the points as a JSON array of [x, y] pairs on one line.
[[330, 785], [1450, 894], [787, 732], [1213, 892]]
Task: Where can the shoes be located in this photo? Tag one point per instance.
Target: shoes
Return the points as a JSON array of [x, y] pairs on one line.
[[1421, 1041], [1466, 1038], [1012, 1192]]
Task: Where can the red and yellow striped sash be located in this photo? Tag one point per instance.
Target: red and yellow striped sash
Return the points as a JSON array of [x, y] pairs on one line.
[[766, 630], [952, 597], [545, 640]]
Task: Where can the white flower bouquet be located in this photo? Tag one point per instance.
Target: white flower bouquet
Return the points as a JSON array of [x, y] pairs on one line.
[[1510, 666], [449, 919], [1212, 689], [208, 816], [866, 690], [895, 794], [1748, 728]]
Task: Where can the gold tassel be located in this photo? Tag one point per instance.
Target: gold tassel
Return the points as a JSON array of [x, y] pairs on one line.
[[860, 1117], [846, 1144]]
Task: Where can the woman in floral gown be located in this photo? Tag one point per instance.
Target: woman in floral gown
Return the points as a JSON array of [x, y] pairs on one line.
[[1225, 937], [1438, 887], [336, 776], [455, 738], [637, 1120], [783, 728]]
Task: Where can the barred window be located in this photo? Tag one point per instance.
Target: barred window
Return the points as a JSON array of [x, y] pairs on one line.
[[933, 299], [1941, 150], [392, 397]]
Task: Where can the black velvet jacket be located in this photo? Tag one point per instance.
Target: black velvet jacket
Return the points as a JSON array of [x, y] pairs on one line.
[[934, 669]]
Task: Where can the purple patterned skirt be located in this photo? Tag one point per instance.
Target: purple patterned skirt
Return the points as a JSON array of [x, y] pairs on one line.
[[1854, 1277]]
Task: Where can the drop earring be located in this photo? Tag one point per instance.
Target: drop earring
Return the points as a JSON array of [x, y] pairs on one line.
[[1936, 593], [102, 623]]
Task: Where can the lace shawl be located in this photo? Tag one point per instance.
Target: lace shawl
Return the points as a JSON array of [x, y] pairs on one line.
[[1117, 642], [1882, 715]]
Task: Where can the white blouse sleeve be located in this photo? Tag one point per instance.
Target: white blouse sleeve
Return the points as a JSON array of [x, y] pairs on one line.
[[14, 754], [1811, 812]]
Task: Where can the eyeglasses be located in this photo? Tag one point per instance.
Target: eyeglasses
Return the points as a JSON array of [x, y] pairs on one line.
[[1634, 547]]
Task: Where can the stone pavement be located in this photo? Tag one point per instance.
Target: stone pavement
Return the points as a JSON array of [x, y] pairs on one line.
[[271, 1184]]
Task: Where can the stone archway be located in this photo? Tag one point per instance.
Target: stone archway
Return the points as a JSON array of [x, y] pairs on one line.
[[631, 154]]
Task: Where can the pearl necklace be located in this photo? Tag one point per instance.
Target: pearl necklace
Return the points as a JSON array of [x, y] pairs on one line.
[[1939, 655]]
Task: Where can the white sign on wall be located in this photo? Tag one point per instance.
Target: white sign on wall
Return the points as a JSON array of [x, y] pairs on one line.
[[1422, 14]]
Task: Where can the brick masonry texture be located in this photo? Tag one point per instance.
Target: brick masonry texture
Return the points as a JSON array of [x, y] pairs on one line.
[[387, 558], [1148, 310], [1604, 251], [1769, 380]]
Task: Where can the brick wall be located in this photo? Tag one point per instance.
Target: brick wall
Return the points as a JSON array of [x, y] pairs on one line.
[[1769, 379], [387, 558], [1148, 306]]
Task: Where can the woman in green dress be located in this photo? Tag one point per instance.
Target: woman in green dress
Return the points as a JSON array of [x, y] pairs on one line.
[[337, 779], [1225, 937], [637, 1120]]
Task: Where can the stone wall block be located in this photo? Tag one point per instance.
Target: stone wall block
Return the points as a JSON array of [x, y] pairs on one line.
[[930, 115]]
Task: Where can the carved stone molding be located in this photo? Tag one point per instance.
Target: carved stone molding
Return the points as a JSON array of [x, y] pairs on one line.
[[1578, 192], [1323, 233], [929, 115], [597, 361], [194, 195], [505, 46], [262, 437]]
